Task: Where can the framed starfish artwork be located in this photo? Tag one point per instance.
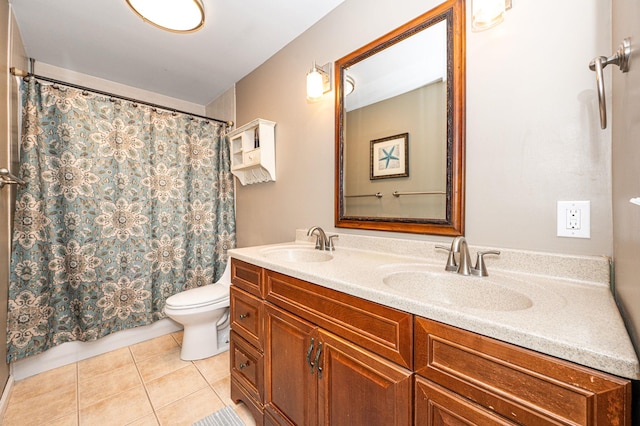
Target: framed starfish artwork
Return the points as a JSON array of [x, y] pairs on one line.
[[390, 157]]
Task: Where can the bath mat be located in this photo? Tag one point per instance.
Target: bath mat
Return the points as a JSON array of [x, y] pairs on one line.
[[223, 417]]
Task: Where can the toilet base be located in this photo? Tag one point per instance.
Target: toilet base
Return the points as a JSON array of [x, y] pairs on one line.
[[203, 341]]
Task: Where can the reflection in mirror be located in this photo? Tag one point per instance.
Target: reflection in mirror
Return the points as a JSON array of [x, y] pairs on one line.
[[404, 85], [399, 133]]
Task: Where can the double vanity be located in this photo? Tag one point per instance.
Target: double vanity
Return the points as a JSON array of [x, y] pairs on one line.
[[377, 332]]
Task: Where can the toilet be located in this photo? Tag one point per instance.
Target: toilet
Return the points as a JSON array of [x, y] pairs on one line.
[[204, 314]]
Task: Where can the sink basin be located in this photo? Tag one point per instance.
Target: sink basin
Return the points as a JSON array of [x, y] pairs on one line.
[[436, 286], [297, 254]]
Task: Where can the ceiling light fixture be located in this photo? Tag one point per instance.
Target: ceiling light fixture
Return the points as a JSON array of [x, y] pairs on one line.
[[318, 81], [349, 85], [488, 13], [178, 16]]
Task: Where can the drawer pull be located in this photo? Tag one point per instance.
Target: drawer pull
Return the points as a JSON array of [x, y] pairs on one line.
[[243, 365], [318, 360], [243, 316], [311, 364]]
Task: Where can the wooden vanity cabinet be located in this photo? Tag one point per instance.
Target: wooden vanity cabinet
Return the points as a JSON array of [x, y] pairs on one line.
[[246, 337], [361, 354], [303, 354], [478, 380]]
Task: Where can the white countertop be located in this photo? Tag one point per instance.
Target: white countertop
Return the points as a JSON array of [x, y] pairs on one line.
[[561, 305]]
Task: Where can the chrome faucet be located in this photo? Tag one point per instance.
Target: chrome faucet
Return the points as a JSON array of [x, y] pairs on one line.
[[322, 243], [459, 245], [463, 265]]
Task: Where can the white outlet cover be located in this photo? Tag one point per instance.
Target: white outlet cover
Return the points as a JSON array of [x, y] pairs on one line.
[[585, 219]]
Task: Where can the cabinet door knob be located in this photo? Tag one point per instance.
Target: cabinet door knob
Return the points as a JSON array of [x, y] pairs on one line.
[[243, 365], [243, 316]]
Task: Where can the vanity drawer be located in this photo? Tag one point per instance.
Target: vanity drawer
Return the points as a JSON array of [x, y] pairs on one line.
[[247, 366], [522, 385], [380, 329], [247, 277], [246, 316], [435, 405]]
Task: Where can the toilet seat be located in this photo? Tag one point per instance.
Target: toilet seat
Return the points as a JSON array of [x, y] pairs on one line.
[[198, 297]]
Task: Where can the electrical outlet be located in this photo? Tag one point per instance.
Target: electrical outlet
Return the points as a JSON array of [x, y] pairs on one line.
[[574, 219]]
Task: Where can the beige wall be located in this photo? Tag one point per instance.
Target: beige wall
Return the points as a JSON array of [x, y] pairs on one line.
[[532, 131], [97, 83], [422, 114]]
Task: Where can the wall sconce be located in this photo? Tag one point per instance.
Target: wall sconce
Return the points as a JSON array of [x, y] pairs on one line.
[[318, 81], [488, 13], [184, 16]]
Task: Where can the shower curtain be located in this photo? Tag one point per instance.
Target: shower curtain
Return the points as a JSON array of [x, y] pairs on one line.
[[124, 206]]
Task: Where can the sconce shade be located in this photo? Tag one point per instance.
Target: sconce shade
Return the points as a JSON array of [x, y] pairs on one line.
[[318, 81], [314, 85], [180, 16], [487, 13]]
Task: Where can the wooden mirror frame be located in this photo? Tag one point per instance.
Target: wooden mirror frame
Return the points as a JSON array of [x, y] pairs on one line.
[[453, 11]]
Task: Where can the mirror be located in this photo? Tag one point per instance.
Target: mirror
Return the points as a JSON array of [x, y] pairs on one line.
[[400, 103]]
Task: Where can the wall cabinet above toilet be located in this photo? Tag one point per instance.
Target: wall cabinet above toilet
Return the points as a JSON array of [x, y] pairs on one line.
[[253, 154]]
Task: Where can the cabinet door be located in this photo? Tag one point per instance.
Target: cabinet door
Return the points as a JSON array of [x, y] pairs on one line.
[[357, 387], [437, 406], [290, 382]]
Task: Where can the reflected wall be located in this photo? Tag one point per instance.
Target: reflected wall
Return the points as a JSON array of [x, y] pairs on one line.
[[421, 113]]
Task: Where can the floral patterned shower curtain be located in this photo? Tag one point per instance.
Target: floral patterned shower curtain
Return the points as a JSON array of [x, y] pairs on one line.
[[124, 206]]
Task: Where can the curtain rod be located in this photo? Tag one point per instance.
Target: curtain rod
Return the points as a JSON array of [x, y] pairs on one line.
[[24, 74]]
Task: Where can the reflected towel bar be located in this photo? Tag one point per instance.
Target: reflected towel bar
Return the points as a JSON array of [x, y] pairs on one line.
[[377, 194], [7, 178], [397, 194]]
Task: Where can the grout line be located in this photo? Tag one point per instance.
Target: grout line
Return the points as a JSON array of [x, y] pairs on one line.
[[176, 339], [144, 386], [211, 385], [77, 394]]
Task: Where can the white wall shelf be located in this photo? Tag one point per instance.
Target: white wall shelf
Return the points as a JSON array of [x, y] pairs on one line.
[[253, 153]]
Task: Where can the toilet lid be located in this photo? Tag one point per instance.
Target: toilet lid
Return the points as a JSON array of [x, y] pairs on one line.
[[198, 297]]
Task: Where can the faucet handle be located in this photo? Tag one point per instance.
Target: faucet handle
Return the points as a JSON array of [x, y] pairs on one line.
[[330, 245], [481, 269], [451, 261]]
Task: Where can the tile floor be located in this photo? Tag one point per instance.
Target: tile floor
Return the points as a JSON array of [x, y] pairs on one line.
[[143, 384]]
